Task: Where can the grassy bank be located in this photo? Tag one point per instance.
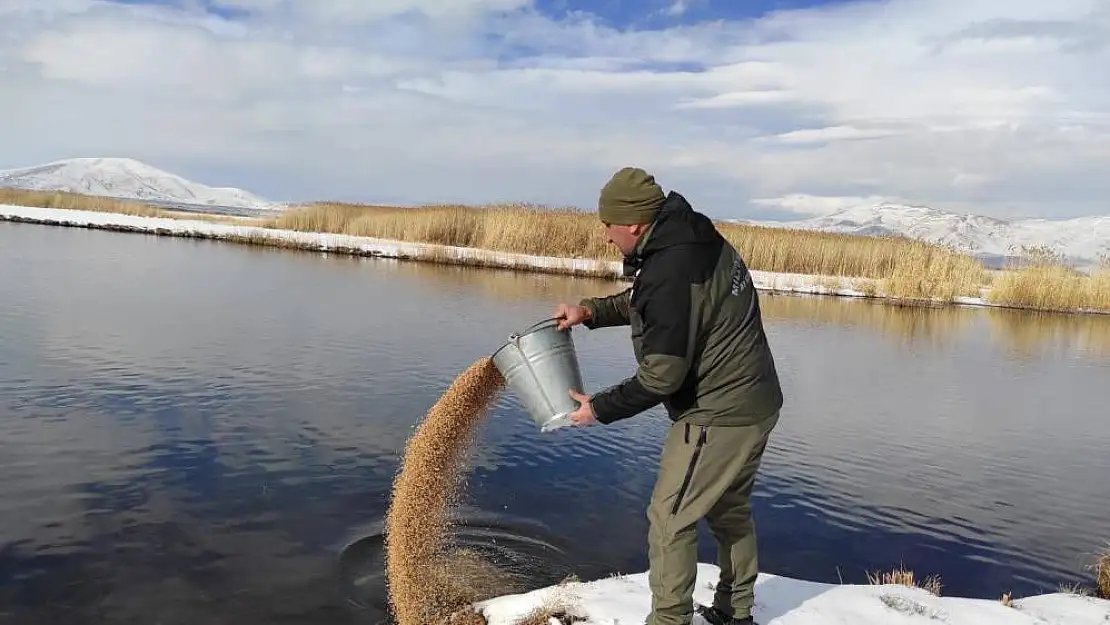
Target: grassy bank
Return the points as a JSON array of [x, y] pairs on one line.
[[1045, 283], [77, 201], [896, 268]]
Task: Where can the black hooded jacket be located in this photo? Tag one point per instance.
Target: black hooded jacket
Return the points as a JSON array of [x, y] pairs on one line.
[[696, 328]]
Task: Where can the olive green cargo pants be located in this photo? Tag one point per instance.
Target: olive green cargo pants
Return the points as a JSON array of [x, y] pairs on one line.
[[704, 472]]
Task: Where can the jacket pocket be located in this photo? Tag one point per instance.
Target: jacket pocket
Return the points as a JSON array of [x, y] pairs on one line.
[[689, 468]]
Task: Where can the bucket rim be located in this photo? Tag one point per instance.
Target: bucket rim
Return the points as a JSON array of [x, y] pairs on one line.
[[539, 325]]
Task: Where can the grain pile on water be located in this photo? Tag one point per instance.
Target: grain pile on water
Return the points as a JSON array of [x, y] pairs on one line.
[[425, 582]]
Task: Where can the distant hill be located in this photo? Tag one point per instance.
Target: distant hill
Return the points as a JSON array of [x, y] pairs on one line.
[[127, 178], [1080, 241]]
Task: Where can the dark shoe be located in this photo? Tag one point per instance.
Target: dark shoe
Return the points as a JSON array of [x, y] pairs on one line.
[[713, 616]]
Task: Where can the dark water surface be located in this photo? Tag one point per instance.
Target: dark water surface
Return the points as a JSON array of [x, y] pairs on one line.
[[193, 432]]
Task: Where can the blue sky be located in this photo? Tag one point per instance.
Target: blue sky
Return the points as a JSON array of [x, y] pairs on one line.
[[639, 14], [751, 109], [660, 14]]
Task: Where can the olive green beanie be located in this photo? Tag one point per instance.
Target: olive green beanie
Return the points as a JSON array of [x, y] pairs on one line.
[[630, 197]]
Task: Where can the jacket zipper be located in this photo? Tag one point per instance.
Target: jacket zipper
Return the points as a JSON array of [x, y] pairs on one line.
[[690, 468]]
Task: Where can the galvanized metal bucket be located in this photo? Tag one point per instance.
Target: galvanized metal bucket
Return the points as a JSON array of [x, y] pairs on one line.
[[540, 366]]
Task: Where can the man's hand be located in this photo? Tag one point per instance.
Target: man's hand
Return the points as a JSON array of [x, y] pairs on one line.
[[570, 315], [585, 413]]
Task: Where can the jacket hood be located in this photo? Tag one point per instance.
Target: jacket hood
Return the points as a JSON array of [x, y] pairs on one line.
[[677, 223]]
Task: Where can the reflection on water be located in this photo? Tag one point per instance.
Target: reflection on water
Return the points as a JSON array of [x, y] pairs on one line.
[[192, 431], [503, 285], [1031, 334], [1026, 333], [907, 325], [1022, 333]]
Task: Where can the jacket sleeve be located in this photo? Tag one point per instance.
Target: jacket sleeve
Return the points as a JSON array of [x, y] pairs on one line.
[[606, 312], [667, 344]]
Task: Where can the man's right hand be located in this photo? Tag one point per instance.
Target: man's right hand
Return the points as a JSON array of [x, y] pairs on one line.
[[570, 315]]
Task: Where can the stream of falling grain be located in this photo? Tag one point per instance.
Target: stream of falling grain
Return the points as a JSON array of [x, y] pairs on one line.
[[426, 583]]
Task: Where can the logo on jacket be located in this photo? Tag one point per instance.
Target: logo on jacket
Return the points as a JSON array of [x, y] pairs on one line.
[[741, 277]]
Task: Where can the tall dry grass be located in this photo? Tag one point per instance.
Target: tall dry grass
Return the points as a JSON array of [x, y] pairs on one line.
[[907, 267], [1043, 282], [1101, 569], [79, 201], [905, 577], [76, 201], [516, 228]]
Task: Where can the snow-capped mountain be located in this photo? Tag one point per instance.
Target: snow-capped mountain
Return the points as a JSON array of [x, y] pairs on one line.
[[126, 178], [1081, 240]]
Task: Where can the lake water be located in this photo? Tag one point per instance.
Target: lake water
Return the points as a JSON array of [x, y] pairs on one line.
[[196, 432]]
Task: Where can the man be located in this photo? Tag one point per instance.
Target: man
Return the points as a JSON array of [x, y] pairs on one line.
[[698, 337]]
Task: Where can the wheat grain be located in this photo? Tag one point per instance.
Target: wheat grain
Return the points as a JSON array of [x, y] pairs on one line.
[[424, 581]]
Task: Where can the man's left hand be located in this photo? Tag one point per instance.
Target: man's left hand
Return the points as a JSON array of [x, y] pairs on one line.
[[585, 413]]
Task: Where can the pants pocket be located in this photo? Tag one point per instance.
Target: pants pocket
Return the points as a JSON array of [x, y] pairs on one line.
[[690, 467]]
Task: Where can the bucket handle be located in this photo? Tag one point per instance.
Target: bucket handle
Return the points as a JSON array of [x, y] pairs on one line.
[[535, 326], [516, 336]]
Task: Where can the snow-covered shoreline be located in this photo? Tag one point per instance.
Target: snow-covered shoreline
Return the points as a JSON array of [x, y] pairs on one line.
[[384, 248], [626, 600], [312, 241]]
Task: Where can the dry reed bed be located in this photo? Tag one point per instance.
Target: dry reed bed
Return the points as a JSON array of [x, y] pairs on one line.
[[894, 267], [77, 201], [898, 267], [904, 267], [1054, 287]]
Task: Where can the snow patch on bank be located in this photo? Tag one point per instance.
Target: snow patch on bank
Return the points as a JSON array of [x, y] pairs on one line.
[[626, 600], [384, 248]]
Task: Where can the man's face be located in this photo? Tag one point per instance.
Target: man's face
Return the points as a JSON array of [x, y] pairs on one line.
[[622, 236]]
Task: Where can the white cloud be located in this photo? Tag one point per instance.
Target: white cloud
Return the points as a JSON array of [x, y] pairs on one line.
[[831, 133], [809, 204], [347, 11], [1000, 107], [677, 8]]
